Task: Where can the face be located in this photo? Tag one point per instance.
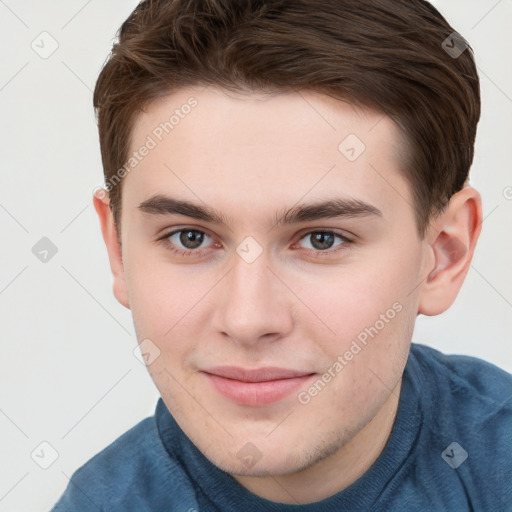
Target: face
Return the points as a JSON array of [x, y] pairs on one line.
[[271, 257]]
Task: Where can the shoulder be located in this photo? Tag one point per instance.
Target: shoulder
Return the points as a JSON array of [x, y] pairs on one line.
[[462, 394], [90, 485], [129, 474], [465, 446], [126, 454], [464, 376]]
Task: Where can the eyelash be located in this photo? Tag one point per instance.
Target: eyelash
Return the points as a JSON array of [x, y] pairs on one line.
[[197, 252]]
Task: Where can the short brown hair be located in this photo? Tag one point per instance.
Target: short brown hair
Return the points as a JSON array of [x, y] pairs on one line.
[[389, 55]]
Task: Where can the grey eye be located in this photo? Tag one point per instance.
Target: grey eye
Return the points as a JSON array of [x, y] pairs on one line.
[[322, 240], [188, 238]]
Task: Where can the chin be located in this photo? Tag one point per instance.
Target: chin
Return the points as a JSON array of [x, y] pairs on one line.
[[261, 468], [270, 460]]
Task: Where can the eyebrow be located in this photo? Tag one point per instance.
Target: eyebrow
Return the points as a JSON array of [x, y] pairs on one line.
[[330, 208]]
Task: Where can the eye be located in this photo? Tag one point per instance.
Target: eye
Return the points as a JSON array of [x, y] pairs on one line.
[[191, 242], [322, 241], [185, 241], [189, 238]]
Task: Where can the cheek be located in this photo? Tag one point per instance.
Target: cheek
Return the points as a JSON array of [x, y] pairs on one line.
[[373, 321], [158, 294], [367, 311], [162, 305], [350, 302], [171, 306]]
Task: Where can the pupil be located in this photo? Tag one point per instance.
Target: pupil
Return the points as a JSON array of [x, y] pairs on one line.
[[191, 239], [322, 240]]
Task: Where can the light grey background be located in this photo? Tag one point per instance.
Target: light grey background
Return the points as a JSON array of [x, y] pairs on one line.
[[68, 373]]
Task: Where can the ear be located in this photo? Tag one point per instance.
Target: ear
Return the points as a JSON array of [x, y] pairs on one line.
[[101, 201], [451, 242]]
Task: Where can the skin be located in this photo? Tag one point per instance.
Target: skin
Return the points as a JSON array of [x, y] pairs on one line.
[[295, 306]]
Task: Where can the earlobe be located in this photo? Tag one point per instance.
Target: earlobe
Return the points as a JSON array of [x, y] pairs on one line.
[[110, 236], [454, 235]]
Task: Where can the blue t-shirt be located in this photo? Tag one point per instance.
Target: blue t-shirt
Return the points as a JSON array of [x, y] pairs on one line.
[[450, 449]]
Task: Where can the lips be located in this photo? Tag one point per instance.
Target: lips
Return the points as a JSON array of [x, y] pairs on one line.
[[256, 375], [255, 387]]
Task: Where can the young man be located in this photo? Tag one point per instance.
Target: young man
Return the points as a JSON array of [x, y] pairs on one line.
[[286, 190]]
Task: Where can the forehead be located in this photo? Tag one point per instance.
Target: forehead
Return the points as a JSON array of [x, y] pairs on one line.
[[249, 150]]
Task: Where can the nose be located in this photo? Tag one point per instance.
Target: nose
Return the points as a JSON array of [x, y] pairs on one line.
[[253, 303]]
